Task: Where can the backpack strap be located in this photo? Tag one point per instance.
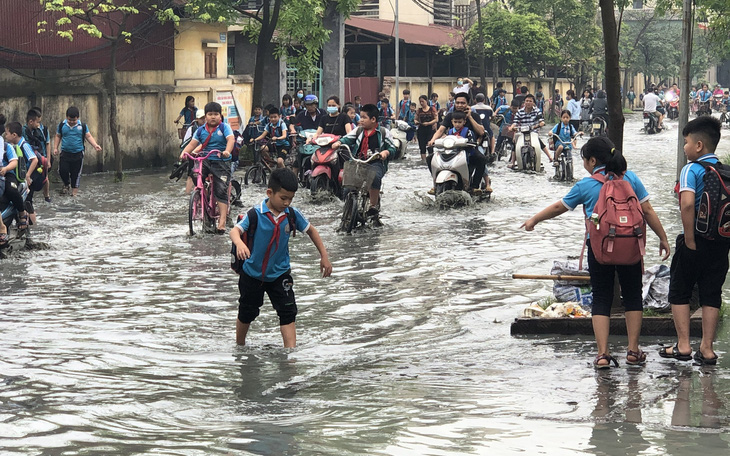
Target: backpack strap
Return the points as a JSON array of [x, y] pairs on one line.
[[292, 219], [60, 128], [253, 220]]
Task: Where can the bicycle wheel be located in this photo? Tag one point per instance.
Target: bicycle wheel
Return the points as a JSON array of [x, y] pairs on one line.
[[349, 213], [195, 212], [256, 174]]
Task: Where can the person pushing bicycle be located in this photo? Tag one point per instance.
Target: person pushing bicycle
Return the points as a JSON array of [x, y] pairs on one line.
[[215, 135]]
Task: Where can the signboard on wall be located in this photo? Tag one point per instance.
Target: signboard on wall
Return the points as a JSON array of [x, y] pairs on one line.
[[230, 110]]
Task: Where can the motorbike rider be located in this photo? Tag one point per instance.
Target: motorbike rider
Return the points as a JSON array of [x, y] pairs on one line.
[[309, 119], [477, 161], [367, 139], [530, 115], [599, 107], [651, 104], [334, 123], [482, 108], [507, 113], [704, 95]]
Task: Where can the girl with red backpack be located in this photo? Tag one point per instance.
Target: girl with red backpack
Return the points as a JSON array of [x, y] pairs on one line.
[[616, 204]]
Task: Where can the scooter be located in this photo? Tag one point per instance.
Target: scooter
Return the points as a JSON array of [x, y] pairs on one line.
[[527, 146], [717, 102], [651, 123], [399, 132], [326, 172], [703, 109], [305, 151], [598, 126], [672, 105], [450, 168]]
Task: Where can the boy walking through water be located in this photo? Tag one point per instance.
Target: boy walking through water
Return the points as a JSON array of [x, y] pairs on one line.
[[697, 259], [70, 136], [266, 267]]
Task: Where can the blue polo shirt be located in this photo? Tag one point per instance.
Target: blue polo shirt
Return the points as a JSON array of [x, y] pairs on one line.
[[566, 134], [278, 130], [278, 261], [72, 138], [8, 154], [586, 191], [219, 141], [691, 178]]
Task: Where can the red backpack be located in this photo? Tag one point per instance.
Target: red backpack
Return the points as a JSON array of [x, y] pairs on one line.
[[617, 228]]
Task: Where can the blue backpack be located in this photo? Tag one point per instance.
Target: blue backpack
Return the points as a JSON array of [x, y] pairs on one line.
[[253, 221]]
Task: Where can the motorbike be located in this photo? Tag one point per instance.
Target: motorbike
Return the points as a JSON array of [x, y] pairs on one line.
[[717, 104], [527, 146], [672, 105], [450, 168], [305, 151], [651, 123], [598, 126], [9, 212], [399, 132], [703, 108], [326, 172], [564, 168]]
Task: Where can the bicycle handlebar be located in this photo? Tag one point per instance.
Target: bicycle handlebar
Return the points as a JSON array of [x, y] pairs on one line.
[[196, 157]]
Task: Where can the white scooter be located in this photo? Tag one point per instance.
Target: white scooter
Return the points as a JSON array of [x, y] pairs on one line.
[[399, 132], [450, 169], [527, 148]]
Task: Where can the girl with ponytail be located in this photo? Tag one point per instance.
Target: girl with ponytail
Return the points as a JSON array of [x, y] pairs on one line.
[[600, 156]]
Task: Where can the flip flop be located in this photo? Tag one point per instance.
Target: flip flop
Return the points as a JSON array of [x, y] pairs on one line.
[[675, 354], [702, 361], [608, 358]]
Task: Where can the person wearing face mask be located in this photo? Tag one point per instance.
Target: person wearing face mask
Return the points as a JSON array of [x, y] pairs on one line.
[[335, 122], [463, 85]]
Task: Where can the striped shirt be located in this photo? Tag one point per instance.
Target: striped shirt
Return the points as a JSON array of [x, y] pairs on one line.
[[532, 118]]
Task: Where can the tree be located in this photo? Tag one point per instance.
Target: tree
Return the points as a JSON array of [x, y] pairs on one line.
[[300, 33], [520, 43], [611, 32], [107, 20]]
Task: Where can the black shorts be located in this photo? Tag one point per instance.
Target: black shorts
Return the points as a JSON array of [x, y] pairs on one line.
[[221, 172], [282, 152], [707, 267], [281, 295]]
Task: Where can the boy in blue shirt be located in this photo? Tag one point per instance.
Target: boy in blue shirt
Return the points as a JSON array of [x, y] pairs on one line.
[[697, 260], [266, 267], [215, 135], [14, 137], [70, 136], [277, 131], [8, 189], [37, 136]]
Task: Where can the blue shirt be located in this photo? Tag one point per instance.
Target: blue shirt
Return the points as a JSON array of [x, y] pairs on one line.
[[586, 191], [278, 261], [8, 155], [506, 112], [691, 178], [72, 138], [704, 95], [278, 130], [219, 141], [565, 133], [574, 108], [25, 147]]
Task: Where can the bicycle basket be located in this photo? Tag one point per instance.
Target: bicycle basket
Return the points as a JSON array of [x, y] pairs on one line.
[[356, 174]]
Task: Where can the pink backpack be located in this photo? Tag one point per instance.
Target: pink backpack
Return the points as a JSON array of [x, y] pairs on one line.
[[617, 228]]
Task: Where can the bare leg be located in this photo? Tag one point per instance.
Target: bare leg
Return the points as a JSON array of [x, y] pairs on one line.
[[557, 152], [633, 328], [374, 197], [241, 331], [74, 191], [289, 334], [47, 189], [710, 316], [223, 211], [601, 326], [279, 162], [189, 185], [680, 313]]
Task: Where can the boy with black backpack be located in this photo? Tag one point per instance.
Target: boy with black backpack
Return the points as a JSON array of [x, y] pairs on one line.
[[701, 255], [261, 246], [70, 137]]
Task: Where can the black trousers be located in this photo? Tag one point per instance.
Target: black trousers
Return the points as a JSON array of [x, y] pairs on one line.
[[424, 135], [69, 167], [602, 283]]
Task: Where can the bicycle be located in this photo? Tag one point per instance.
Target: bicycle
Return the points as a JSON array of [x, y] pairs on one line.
[[203, 208], [356, 179], [258, 171], [564, 167]]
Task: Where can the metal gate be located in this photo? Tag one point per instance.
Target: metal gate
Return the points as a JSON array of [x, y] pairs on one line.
[[293, 83]]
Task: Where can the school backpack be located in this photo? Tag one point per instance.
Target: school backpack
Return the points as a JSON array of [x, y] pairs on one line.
[[713, 217], [83, 131], [253, 220], [22, 168], [617, 228]]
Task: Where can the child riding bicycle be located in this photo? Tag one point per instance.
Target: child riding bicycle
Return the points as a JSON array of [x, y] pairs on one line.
[[215, 135]]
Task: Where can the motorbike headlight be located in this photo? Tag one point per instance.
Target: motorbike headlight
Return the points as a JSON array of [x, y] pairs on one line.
[[322, 141], [449, 143]]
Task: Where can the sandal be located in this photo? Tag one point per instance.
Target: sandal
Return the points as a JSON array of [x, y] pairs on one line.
[[675, 354], [22, 222], [702, 361], [606, 357], [4, 240], [639, 356]]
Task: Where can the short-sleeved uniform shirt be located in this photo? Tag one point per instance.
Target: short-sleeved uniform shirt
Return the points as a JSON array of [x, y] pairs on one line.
[[586, 191], [566, 133], [691, 178], [448, 125], [7, 152], [334, 125], [276, 131], [278, 258], [219, 141], [72, 138], [188, 115]]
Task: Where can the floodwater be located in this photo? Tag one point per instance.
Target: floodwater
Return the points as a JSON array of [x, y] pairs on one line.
[[120, 340]]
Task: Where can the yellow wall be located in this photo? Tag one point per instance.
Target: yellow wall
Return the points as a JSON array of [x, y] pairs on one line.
[[408, 12], [190, 53]]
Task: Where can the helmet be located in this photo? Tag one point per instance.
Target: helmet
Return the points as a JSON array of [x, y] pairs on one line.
[[199, 114], [311, 99]]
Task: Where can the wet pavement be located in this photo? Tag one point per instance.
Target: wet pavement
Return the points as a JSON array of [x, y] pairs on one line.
[[120, 340]]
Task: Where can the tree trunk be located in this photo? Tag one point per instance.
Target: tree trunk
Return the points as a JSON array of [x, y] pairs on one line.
[[612, 74], [263, 48], [554, 85], [482, 58], [495, 72], [112, 89]]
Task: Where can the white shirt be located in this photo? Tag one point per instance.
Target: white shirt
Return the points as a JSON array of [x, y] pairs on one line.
[[464, 88], [650, 102]]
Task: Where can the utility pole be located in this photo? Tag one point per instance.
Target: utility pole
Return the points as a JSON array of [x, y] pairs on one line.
[[397, 58], [685, 75]]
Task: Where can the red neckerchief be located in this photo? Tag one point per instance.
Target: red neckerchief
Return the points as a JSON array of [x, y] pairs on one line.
[[210, 135], [274, 240], [365, 142]]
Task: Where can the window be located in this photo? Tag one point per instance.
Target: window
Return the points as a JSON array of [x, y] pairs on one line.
[[211, 65]]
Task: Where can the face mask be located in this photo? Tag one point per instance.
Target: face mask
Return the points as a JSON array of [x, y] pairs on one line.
[[459, 83], [332, 109], [300, 95]]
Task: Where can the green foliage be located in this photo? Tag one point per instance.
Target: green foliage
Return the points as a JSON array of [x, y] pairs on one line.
[[521, 43]]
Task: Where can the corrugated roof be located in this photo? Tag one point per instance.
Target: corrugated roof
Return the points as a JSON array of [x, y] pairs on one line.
[[423, 35]]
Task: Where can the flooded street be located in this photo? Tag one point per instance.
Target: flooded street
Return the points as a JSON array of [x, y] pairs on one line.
[[120, 340]]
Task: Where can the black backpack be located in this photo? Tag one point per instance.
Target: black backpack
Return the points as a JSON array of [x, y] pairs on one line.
[[22, 168], [253, 220], [713, 217], [83, 131]]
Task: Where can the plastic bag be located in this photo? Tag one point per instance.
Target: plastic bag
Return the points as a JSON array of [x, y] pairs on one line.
[[655, 288], [565, 291]]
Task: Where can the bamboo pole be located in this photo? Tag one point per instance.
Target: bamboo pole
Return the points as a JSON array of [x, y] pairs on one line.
[[568, 278]]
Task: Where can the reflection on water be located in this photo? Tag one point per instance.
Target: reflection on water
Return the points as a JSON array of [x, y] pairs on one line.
[[120, 340]]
